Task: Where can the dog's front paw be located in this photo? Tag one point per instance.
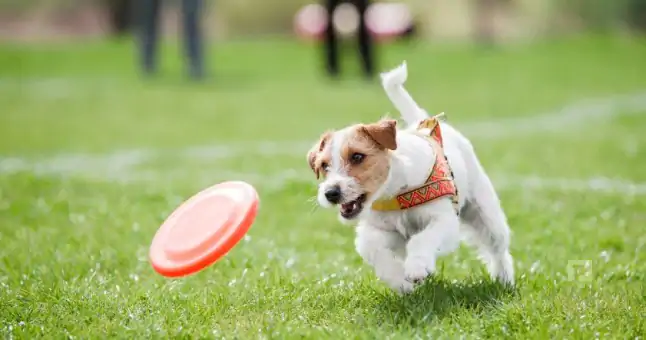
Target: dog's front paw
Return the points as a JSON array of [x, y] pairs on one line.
[[416, 269], [400, 286], [393, 276]]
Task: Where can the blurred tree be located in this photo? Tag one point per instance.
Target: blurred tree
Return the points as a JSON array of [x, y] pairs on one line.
[[246, 17], [597, 15], [637, 15]]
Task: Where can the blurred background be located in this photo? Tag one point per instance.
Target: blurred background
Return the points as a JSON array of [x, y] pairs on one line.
[[202, 24], [482, 59], [552, 93], [227, 19]]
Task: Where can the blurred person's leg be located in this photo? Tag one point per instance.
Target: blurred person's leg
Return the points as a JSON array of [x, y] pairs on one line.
[[366, 49], [120, 16], [330, 40], [148, 13], [484, 21], [193, 40]]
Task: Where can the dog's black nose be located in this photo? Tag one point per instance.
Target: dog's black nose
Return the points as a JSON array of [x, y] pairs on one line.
[[333, 194]]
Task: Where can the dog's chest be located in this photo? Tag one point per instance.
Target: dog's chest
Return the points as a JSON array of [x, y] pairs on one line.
[[406, 223]]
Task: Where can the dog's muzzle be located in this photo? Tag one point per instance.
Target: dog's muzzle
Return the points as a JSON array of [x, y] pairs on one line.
[[333, 194], [353, 208]]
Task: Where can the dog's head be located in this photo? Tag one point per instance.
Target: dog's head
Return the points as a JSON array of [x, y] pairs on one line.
[[354, 163]]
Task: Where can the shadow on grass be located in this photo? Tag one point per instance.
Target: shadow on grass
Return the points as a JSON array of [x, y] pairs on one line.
[[437, 298]]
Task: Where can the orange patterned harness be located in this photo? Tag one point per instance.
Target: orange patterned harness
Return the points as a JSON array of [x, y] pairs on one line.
[[439, 183]]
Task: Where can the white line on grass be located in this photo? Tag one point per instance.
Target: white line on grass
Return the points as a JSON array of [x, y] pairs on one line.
[[595, 184], [279, 180], [577, 113], [501, 182], [122, 165]]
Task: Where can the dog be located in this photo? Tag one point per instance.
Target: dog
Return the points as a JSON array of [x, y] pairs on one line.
[[414, 193]]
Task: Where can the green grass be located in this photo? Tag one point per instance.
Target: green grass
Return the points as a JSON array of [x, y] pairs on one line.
[[74, 241]]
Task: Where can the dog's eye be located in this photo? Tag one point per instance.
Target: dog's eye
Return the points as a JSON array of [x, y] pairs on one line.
[[325, 166], [357, 158]]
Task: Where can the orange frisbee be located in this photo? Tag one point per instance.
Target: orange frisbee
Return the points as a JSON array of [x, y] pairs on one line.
[[204, 228]]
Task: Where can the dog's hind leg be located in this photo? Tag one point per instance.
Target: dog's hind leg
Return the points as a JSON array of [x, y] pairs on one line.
[[489, 228]]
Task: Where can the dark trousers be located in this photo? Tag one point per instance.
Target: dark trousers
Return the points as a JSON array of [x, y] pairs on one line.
[[365, 42], [148, 13]]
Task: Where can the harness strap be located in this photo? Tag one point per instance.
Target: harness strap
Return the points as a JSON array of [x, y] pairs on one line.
[[439, 183]]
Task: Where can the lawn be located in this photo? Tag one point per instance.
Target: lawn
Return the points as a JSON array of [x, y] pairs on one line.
[[92, 159]]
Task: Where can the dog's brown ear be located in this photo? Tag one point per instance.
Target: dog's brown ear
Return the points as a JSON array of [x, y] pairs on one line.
[[384, 133], [314, 152], [311, 159]]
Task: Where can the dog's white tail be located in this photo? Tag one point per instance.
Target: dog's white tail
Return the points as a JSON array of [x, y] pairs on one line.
[[393, 82]]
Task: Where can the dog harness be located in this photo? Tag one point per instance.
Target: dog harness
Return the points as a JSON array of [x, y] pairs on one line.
[[439, 183]]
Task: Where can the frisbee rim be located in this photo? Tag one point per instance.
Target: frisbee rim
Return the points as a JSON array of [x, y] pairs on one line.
[[244, 219]]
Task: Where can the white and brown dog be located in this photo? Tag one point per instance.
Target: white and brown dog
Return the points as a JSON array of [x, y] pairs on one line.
[[414, 192]]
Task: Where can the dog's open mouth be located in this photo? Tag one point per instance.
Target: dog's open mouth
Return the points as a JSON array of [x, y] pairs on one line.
[[352, 209]]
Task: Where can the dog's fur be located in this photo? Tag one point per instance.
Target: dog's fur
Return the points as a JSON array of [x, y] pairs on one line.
[[365, 162]]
